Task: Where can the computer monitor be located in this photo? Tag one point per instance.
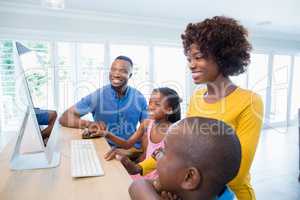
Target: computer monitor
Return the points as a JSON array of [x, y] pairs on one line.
[[36, 155]]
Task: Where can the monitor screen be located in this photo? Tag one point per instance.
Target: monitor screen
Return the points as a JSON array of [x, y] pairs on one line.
[[29, 62]]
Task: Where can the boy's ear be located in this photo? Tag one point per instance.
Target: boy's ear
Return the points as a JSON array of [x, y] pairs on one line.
[[192, 179]]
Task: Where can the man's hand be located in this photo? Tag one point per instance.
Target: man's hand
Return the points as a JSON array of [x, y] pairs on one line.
[[95, 127], [88, 135], [94, 130]]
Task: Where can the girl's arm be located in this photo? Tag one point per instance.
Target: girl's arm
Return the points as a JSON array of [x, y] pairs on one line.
[[144, 148], [126, 144], [129, 165]]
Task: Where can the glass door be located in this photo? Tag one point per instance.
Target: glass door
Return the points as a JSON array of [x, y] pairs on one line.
[[258, 76], [295, 92], [279, 90]]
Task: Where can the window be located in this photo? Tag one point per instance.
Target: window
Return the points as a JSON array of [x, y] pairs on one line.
[[66, 75], [167, 60], [80, 71], [240, 80], [91, 73], [41, 79], [7, 83], [7, 68]]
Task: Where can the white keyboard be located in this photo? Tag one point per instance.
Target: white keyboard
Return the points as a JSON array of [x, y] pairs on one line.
[[84, 160]]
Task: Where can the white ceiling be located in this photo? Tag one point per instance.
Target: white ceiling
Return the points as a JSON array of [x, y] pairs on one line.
[[274, 16]]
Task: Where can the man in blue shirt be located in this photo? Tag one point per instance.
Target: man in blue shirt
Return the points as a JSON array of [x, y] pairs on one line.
[[116, 107]]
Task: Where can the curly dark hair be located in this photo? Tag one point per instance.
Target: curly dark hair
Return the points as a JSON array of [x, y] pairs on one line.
[[224, 40]]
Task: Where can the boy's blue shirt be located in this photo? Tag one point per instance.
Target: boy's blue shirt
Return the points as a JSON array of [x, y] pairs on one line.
[[227, 194]]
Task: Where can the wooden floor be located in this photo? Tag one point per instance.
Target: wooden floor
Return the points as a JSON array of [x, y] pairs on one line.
[[275, 169]]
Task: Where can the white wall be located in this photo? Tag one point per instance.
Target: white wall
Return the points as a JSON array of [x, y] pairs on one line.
[[82, 26]]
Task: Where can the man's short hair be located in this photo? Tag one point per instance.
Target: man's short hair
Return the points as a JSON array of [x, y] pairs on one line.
[[125, 58]]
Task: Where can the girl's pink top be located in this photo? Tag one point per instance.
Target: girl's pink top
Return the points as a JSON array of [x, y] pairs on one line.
[[150, 149]]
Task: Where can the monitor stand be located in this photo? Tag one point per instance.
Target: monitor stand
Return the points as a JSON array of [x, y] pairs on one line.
[[41, 157], [34, 161]]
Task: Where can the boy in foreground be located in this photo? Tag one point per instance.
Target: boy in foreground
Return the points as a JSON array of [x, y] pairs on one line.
[[200, 157]]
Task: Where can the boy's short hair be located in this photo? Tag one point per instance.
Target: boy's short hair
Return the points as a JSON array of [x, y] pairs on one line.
[[209, 145]]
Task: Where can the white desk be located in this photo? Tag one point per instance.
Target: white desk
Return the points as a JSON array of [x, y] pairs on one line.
[[57, 183]]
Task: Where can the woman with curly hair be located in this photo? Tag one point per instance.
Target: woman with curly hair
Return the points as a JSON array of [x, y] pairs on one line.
[[216, 49]]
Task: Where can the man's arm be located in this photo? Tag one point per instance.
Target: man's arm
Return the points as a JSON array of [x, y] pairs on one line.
[[71, 118]]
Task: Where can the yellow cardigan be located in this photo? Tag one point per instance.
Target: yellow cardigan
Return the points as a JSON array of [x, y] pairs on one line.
[[243, 111]]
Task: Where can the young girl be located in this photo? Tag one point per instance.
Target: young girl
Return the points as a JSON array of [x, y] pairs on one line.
[[164, 109]]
